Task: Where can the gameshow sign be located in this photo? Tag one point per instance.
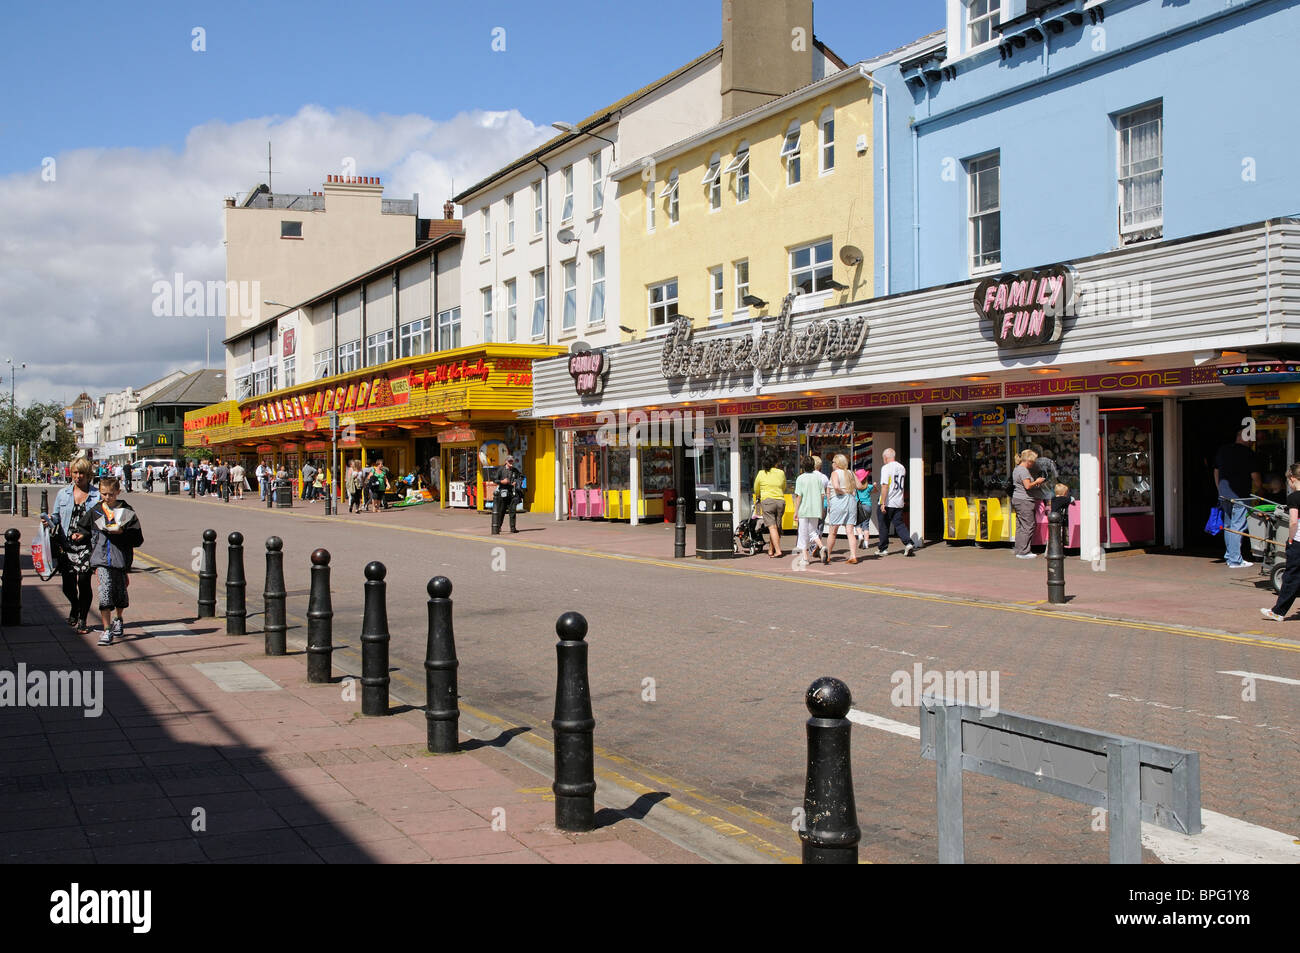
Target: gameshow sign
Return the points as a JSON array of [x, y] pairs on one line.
[[782, 346], [1027, 308]]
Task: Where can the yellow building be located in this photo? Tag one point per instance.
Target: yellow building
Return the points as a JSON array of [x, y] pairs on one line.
[[768, 204]]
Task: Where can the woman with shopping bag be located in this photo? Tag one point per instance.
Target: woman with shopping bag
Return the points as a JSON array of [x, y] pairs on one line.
[[72, 502]]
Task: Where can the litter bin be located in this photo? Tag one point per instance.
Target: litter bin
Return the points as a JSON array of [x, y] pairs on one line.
[[283, 493], [174, 486], [713, 529]]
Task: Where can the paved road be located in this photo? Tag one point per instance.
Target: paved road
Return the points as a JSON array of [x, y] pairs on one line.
[[730, 655]]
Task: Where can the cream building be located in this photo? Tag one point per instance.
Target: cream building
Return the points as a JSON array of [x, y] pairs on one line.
[[724, 225]]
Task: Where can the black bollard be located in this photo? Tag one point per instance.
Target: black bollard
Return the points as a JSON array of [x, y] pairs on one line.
[[441, 707], [24, 502], [374, 643], [236, 610], [574, 725], [270, 494], [1056, 557], [273, 619], [11, 586], [45, 501], [208, 576], [830, 832], [320, 620], [679, 539]]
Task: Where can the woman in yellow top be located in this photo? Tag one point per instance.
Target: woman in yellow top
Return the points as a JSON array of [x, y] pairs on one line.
[[769, 487]]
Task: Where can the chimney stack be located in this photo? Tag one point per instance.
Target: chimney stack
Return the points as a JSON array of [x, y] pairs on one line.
[[449, 209], [767, 51]]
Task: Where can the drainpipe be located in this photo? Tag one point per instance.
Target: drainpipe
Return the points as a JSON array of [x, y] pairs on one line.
[[1047, 44], [884, 107], [1268, 285], [546, 227]]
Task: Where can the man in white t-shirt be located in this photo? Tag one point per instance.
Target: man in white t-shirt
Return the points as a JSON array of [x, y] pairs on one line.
[[893, 479]]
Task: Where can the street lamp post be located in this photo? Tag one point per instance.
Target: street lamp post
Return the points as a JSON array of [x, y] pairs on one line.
[[14, 367]]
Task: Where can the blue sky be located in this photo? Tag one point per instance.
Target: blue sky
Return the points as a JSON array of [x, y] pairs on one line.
[[124, 74], [145, 136]]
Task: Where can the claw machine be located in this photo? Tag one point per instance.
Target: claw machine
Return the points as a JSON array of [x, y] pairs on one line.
[[587, 479], [1128, 516]]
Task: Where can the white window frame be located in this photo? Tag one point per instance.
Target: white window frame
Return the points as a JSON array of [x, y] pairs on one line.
[[349, 357], [566, 207], [742, 287], [666, 301], [449, 329], [969, 23], [739, 166], [537, 207], [713, 181], [597, 165], [510, 220], [487, 231], [670, 192], [977, 166], [597, 288], [1151, 228], [791, 153], [489, 331], [379, 347], [415, 337], [826, 264], [322, 364], [569, 282], [826, 144], [717, 300], [511, 289], [650, 206], [290, 371], [538, 329]]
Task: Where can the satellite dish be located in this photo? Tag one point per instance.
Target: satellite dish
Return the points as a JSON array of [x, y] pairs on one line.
[[578, 347], [851, 255], [565, 235]]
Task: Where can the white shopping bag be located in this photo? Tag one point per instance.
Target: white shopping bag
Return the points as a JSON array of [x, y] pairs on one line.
[[42, 556]]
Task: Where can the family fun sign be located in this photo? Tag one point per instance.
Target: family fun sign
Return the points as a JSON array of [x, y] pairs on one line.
[[1027, 308]]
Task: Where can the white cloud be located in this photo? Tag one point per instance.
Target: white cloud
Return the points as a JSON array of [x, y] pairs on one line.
[[81, 252]]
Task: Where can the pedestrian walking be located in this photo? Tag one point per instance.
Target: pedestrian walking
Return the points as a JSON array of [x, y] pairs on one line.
[[864, 507], [1291, 575], [237, 480], [352, 486], [1024, 500], [809, 507], [308, 481], [221, 481], [1236, 476], [71, 544], [509, 481], [769, 490], [260, 475], [841, 509], [893, 479], [114, 532]]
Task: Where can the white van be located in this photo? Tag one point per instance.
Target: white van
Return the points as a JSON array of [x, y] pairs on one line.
[[138, 468]]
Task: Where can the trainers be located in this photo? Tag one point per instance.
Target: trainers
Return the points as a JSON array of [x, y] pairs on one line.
[[1268, 613], [107, 637], [1026, 555], [1242, 565], [909, 549], [116, 628]]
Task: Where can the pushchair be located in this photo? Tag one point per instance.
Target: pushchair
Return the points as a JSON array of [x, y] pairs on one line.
[[1267, 525], [750, 535]]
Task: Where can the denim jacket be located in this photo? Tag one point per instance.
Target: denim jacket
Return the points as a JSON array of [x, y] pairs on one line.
[[61, 515]]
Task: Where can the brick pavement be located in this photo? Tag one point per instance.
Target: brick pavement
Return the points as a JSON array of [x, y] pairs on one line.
[[177, 769]]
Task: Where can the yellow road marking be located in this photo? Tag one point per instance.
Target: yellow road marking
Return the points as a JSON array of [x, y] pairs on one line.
[[717, 824]]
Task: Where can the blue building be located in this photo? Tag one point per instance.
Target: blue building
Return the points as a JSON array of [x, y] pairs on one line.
[[1147, 148]]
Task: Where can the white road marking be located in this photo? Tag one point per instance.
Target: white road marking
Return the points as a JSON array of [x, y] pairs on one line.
[[1223, 839], [1194, 711], [1265, 678]]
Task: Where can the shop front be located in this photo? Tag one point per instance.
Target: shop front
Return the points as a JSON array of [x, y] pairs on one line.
[[432, 420], [1117, 368]]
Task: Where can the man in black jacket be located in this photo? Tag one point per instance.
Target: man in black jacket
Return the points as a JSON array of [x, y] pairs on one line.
[[509, 482]]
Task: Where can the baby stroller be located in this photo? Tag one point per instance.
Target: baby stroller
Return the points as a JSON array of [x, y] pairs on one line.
[[750, 535]]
